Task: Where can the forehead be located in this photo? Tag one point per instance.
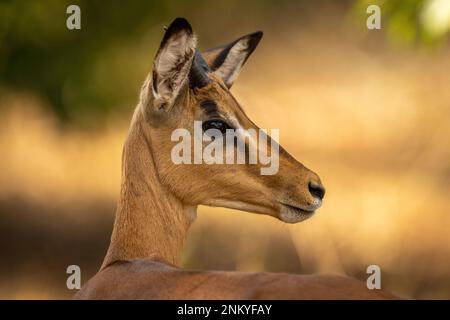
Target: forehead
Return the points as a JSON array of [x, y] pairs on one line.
[[215, 97]]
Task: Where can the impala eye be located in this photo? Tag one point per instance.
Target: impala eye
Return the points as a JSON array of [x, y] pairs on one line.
[[218, 124]]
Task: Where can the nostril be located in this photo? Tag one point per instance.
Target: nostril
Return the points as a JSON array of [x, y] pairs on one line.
[[316, 190]]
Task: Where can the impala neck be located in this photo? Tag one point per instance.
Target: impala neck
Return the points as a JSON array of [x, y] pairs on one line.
[[150, 222]]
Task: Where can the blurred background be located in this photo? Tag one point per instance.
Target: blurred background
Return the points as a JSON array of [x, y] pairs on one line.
[[368, 110]]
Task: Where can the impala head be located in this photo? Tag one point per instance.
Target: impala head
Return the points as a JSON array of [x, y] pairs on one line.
[[187, 86]]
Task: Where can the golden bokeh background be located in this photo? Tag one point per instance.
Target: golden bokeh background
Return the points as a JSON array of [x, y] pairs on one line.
[[368, 113]]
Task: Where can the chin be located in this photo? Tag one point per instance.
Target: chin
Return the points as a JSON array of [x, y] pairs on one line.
[[290, 215]]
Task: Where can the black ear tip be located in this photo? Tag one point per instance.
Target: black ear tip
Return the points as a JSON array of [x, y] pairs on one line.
[[179, 24], [257, 35], [254, 39]]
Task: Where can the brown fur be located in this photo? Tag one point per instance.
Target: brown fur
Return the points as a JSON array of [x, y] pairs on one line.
[[149, 279], [158, 202], [149, 233]]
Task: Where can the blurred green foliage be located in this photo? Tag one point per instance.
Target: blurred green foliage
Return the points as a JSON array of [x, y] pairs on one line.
[[411, 22], [73, 69]]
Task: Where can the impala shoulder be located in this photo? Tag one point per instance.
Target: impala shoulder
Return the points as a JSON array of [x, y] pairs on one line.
[[119, 279]]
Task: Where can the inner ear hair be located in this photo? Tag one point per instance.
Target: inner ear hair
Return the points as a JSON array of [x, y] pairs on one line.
[[226, 61], [172, 63]]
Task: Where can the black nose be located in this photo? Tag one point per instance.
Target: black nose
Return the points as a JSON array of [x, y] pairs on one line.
[[316, 190]]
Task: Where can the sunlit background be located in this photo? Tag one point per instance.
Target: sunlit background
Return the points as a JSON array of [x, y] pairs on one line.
[[369, 110]]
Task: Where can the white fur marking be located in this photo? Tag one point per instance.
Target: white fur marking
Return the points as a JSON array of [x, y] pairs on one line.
[[232, 65]]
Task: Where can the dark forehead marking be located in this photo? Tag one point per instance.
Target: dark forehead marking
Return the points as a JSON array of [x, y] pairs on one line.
[[209, 106], [227, 91]]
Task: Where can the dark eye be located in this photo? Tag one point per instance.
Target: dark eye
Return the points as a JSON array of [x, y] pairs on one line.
[[218, 124]]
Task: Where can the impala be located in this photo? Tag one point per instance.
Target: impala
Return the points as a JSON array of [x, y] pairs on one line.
[[158, 199]]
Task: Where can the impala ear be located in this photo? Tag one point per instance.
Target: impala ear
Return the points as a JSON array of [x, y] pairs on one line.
[[172, 63], [226, 61]]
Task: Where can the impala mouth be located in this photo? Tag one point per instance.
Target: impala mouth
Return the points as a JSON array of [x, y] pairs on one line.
[[300, 210], [294, 214]]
